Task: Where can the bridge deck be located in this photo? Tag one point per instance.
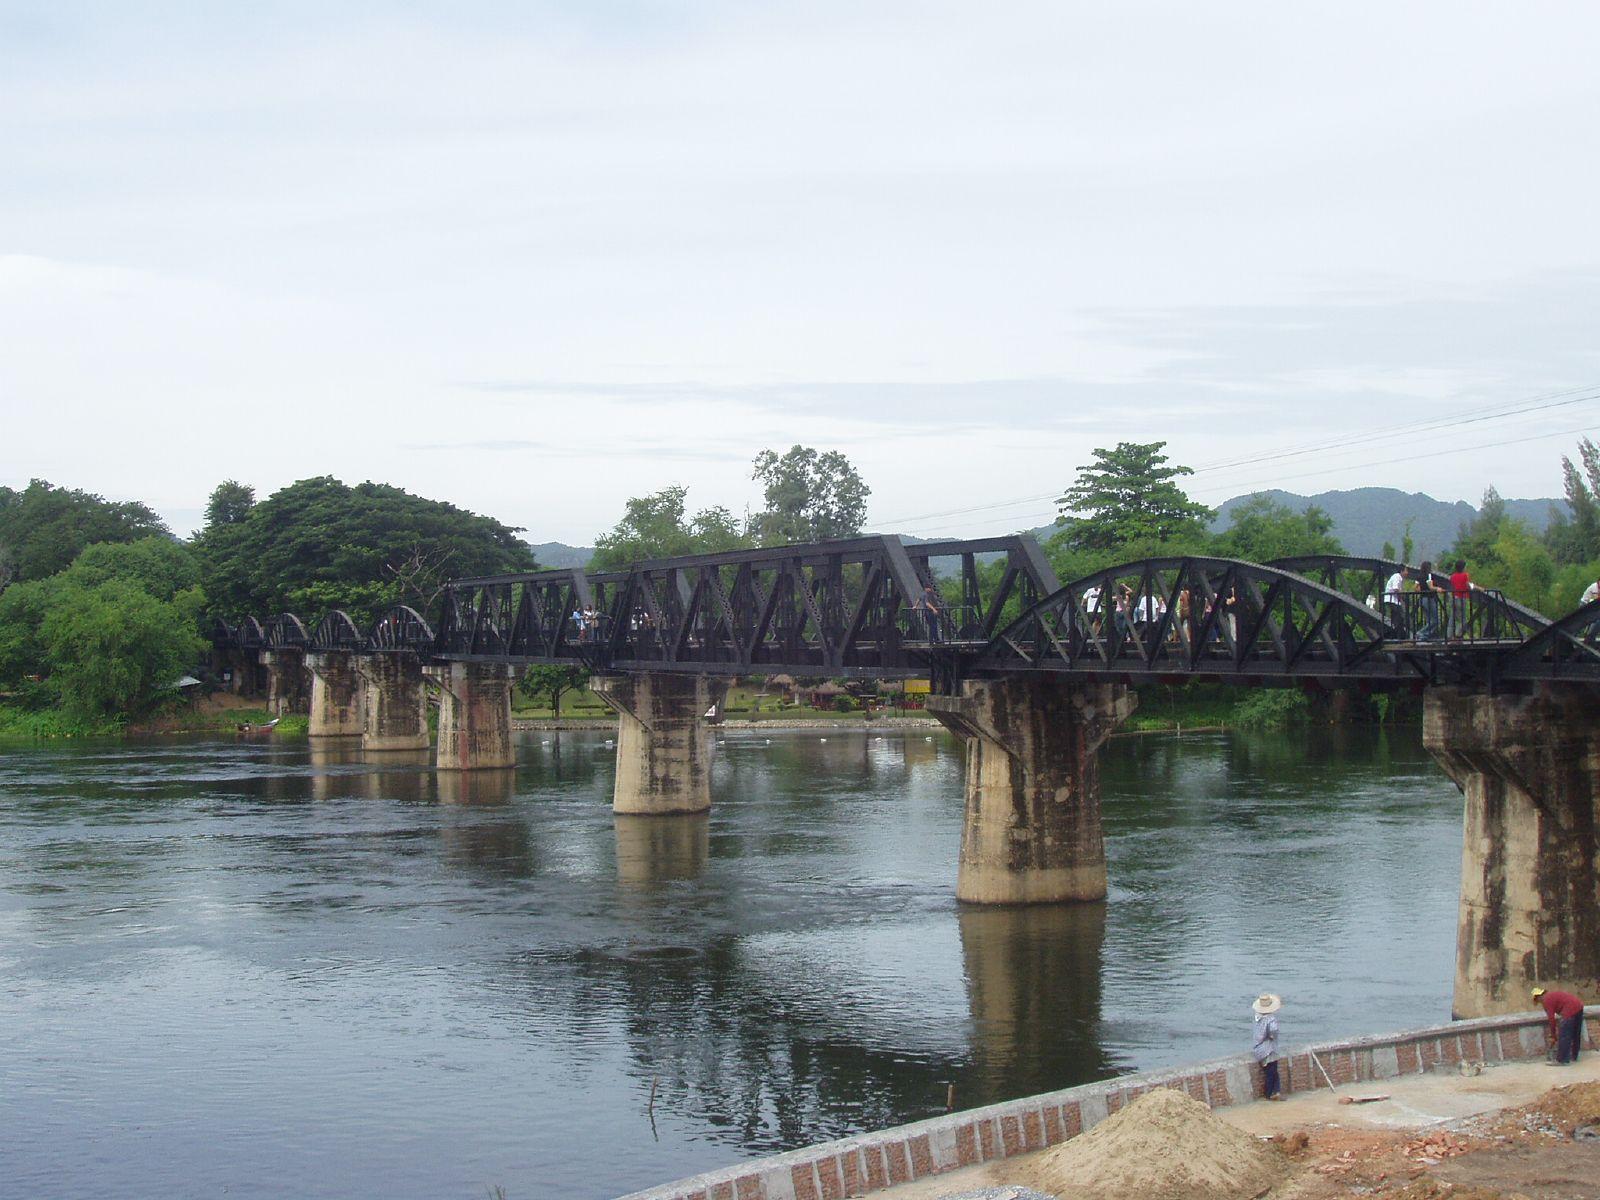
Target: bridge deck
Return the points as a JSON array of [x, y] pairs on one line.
[[860, 608]]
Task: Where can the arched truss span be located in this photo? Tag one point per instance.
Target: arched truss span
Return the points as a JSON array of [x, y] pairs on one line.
[[286, 632], [1564, 649], [1193, 616], [401, 630], [337, 631], [246, 635], [1490, 616]]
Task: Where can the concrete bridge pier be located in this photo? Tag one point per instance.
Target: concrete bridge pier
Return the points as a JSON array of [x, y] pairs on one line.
[[395, 711], [664, 746], [1032, 833], [286, 682], [474, 715], [250, 678], [335, 695], [1529, 768]]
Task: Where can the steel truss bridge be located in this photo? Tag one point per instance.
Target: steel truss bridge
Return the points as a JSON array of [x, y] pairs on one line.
[[855, 608]]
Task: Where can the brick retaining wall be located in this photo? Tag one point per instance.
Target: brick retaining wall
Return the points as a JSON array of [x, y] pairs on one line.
[[869, 1162]]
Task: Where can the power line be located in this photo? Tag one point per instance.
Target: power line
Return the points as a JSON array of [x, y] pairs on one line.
[[1397, 430], [1040, 517], [1498, 411]]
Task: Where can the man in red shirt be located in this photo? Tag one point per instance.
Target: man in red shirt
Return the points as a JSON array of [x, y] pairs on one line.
[[1564, 1013], [1460, 601]]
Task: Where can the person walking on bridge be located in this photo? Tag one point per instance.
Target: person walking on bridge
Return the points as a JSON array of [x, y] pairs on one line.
[[1428, 593], [929, 604], [1264, 1046], [1394, 596], [1564, 1023], [1590, 595], [1460, 601]]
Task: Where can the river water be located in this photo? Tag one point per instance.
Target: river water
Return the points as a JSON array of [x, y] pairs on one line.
[[261, 970]]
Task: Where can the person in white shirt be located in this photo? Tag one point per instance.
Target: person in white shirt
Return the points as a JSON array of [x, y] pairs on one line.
[[1091, 605], [1394, 595]]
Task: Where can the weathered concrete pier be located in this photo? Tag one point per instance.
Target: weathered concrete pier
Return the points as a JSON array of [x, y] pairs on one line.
[[474, 715], [1529, 769], [664, 746], [1032, 832], [395, 703], [336, 709]]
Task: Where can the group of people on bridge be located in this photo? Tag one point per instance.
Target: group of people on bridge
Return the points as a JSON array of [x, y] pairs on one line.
[[1413, 604]]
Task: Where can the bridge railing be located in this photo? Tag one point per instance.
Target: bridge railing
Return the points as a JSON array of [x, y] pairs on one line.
[[1483, 615], [1192, 615]]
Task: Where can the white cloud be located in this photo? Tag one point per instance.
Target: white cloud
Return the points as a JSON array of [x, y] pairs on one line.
[[964, 244]]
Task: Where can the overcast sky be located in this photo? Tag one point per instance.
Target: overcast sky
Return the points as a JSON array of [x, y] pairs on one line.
[[537, 258]]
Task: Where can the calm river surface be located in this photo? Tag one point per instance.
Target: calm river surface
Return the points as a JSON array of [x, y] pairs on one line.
[[258, 970]]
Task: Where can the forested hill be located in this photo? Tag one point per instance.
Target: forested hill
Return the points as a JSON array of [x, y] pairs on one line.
[[1365, 518]]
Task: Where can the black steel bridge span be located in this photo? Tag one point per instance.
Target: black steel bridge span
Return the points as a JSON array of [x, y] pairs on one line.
[[854, 608]]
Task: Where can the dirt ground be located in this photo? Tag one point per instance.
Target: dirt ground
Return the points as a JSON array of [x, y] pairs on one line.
[[1504, 1134]]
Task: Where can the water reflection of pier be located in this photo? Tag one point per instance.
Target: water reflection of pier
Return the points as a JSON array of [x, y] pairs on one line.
[[740, 1021]]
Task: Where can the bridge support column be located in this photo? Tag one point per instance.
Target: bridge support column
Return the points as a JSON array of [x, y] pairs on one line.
[[664, 746], [474, 716], [1529, 767], [245, 672], [335, 695], [396, 706], [286, 682], [1032, 833]]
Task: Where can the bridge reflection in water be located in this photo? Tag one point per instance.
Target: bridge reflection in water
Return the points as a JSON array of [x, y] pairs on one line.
[[330, 945]]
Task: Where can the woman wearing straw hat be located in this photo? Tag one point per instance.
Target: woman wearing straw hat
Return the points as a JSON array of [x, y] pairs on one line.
[[1265, 1046]]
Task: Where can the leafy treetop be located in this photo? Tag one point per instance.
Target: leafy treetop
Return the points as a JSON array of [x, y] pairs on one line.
[[320, 543], [1261, 529], [230, 503], [1127, 496], [658, 526], [810, 496], [44, 527]]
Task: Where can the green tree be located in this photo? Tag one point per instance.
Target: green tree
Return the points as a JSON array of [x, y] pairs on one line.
[[44, 527], [552, 682], [157, 565], [810, 496], [1475, 539], [1576, 538], [100, 580], [1261, 529], [115, 649], [1127, 496], [1502, 553], [230, 503], [362, 548], [658, 526], [22, 612]]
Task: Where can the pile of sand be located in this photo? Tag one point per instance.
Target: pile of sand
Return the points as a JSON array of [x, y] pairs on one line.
[[1163, 1146]]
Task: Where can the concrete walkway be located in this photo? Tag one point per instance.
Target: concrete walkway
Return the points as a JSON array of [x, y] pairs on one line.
[[1415, 1102]]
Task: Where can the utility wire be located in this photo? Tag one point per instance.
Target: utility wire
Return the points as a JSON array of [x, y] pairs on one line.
[[1044, 516], [1494, 412], [1591, 392]]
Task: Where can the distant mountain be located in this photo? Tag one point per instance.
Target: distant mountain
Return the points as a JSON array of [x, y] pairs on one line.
[[1365, 518], [551, 555]]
